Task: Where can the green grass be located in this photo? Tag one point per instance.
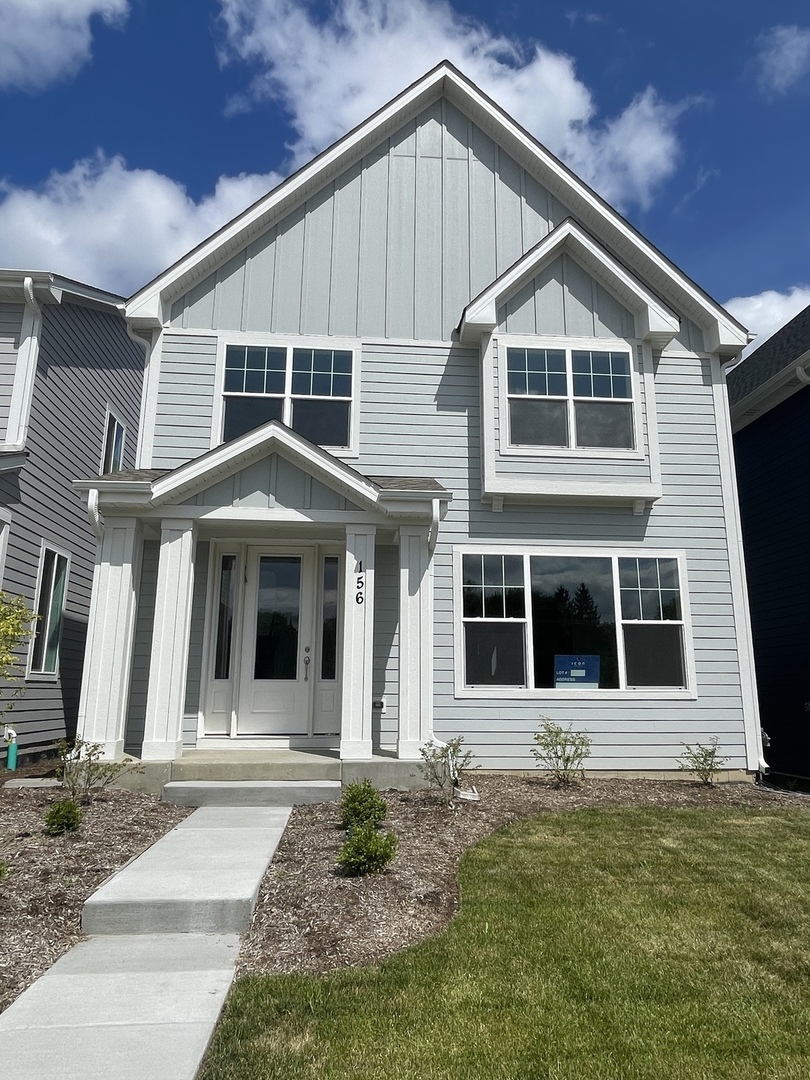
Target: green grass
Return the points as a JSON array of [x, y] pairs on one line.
[[599, 944]]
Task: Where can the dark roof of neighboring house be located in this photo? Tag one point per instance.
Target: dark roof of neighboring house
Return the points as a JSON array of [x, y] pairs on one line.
[[129, 476], [780, 351]]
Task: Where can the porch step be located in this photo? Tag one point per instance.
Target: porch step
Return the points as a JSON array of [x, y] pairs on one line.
[[201, 878], [250, 792], [233, 765]]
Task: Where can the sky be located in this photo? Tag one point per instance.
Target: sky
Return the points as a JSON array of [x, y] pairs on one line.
[[135, 128]]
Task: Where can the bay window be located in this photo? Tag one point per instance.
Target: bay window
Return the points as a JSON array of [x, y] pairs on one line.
[[562, 622]]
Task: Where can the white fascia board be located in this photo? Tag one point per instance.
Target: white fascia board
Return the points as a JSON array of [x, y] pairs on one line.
[[590, 205], [52, 289], [272, 437], [659, 324], [145, 308]]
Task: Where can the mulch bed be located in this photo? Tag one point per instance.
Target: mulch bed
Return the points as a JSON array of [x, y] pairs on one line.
[[309, 917]]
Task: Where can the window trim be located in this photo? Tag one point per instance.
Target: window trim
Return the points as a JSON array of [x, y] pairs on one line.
[[569, 345], [559, 694], [289, 342], [30, 672], [111, 416]]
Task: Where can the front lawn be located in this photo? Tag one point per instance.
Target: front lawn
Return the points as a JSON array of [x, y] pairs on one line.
[[610, 944]]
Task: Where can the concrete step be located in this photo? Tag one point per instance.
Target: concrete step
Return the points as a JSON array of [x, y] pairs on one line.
[[255, 765], [201, 878], [250, 792]]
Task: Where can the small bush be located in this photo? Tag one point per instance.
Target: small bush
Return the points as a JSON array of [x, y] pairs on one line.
[[704, 761], [63, 816], [367, 851], [561, 752], [361, 803], [84, 773], [444, 765]]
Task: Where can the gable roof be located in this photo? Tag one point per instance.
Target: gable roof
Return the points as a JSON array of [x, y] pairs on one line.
[[772, 372], [149, 306]]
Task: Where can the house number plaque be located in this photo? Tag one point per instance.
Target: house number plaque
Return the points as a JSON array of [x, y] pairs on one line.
[[360, 585]]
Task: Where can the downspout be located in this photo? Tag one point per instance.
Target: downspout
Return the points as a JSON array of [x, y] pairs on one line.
[[93, 513], [762, 765], [802, 374], [433, 532]]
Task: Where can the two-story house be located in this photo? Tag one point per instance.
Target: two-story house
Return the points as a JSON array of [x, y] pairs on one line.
[[433, 443], [70, 397]]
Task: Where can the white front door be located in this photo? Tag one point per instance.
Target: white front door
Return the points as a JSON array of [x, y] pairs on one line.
[[276, 666]]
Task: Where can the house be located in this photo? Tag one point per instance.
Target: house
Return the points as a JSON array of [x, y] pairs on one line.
[[433, 443], [70, 392], [770, 415]]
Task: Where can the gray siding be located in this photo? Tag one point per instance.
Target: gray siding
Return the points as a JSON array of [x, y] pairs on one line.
[[395, 247], [433, 393], [195, 648], [85, 361], [142, 647], [185, 403], [385, 681], [564, 299], [11, 316]]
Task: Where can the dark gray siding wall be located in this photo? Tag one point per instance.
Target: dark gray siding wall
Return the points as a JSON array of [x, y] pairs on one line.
[[11, 316], [432, 394], [85, 362], [394, 248], [774, 487]]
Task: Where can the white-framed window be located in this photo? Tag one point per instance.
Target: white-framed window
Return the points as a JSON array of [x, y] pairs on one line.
[[112, 456], [308, 388], [569, 397], [50, 609], [547, 621]]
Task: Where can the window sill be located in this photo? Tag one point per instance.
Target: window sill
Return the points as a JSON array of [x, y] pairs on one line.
[[467, 693], [538, 489]]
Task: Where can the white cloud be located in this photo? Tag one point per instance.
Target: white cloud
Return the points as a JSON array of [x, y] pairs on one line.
[[783, 58], [331, 72], [112, 226], [42, 41], [766, 312]]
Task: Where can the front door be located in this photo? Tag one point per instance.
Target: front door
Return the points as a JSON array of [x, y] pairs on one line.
[[277, 670]]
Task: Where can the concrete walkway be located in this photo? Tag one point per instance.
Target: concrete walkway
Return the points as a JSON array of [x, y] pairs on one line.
[[140, 1000]]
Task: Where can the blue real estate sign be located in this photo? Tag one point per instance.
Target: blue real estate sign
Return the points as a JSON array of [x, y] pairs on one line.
[[582, 671]]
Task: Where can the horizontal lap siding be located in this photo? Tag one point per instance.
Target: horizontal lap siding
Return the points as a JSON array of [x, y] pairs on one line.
[[86, 361], [435, 391], [142, 647], [11, 316], [185, 403]]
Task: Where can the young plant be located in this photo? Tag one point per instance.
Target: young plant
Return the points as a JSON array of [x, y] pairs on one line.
[[445, 764], [16, 626], [561, 752], [361, 803], [84, 773], [367, 851], [63, 816], [704, 761]]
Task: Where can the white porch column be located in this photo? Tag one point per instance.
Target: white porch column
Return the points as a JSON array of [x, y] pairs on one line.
[[415, 642], [105, 684], [358, 644], [163, 733]]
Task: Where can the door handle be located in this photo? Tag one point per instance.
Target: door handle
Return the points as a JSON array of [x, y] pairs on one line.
[[306, 668]]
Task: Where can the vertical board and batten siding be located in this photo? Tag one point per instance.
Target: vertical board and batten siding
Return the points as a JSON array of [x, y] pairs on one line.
[[395, 247], [86, 361], [432, 393], [11, 316], [774, 487], [185, 402]]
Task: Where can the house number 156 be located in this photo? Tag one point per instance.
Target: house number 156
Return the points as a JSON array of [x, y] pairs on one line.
[[360, 586]]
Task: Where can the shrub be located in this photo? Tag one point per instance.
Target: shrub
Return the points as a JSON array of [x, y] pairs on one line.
[[561, 752], [704, 761], [361, 803], [367, 851], [444, 765], [83, 772], [63, 816], [16, 626]]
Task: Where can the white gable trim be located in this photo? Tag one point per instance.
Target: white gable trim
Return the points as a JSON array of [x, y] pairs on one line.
[[654, 322]]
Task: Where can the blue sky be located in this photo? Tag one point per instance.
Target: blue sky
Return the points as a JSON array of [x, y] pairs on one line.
[[133, 128]]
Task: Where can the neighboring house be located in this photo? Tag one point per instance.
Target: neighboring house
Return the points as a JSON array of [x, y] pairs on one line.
[[433, 441], [770, 412], [70, 392]]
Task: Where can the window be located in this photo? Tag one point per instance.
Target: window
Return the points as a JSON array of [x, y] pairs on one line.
[[113, 456], [550, 622], [570, 398], [50, 609], [309, 390]]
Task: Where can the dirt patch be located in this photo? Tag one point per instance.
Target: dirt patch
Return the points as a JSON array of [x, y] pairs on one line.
[[310, 918], [50, 877]]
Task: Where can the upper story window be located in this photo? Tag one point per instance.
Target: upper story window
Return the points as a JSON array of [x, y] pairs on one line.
[[308, 389], [113, 455], [570, 398]]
